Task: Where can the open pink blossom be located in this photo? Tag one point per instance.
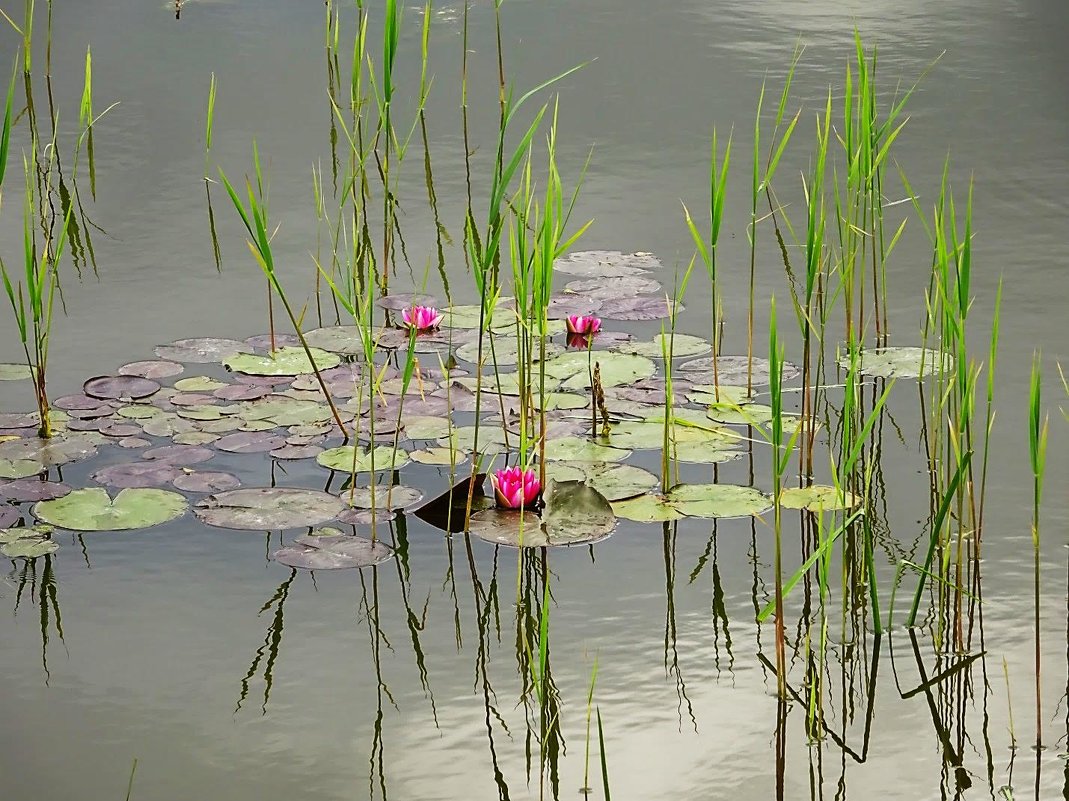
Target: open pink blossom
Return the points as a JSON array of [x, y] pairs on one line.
[[580, 324], [422, 318], [514, 487]]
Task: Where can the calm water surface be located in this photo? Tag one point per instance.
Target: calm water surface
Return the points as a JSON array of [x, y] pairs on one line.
[[227, 678]]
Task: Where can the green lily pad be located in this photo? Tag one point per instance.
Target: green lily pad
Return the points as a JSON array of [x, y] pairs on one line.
[[468, 317], [561, 401], [427, 427], [284, 361], [15, 372], [606, 263], [437, 456], [904, 362], [198, 383], [616, 369], [285, 411], [27, 543], [343, 339], [646, 509], [341, 459], [682, 345], [395, 497], [816, 498], [577, 449], [8, 535], [329, 549], [92, 509], [717, 500], [750, 414], [506, 350], [650, 435], [709, 394], [268, 508]]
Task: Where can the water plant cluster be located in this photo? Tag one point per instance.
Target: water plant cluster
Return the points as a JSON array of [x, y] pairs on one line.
[[565, 401]]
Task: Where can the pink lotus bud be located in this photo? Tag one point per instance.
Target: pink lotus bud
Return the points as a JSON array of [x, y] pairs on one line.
[[579, 324], [514, 487], [422, 318]]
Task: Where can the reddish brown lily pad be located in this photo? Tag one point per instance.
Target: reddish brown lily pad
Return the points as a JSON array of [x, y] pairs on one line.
[[24, 490], [250, 442], [135, 474], [202, 350], [120, 387], [206, 481], [268, 508], [179, 455], [154, 369]]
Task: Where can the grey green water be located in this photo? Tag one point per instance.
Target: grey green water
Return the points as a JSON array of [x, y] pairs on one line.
[[226, 677]]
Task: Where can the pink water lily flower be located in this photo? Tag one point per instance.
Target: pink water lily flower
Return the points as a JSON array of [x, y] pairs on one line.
[[514, 487], [422, 318], [579, 324]]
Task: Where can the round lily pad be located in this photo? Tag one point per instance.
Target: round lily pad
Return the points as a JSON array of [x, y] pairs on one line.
[[120, 387], [201, 350], [343, 339], [577, 449], [250, 442], [646, 509], [816, 498], [118, 430], [15, 372], [406, 300], [606, 263], [9, 420], [395, 497], [680, 344], [600, 289], [199, 383], [341, 459], [717, 500], [294, 452], [286, 361], [268, 342], [179, 455], [268, 508], [642, 307], [135, 474], [734, 369], [902, 362], [437, 456], [93, 509], [133, 442], [71, 402], [205, 481], [241, 392], [333, 552], [154, 369], [32, 489], [20, 458]]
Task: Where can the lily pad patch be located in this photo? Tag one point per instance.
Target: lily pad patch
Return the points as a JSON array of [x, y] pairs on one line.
[[268, 508]]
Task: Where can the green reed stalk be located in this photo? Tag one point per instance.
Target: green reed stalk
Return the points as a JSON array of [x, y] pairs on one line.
[[762, 180], [779, 466], [32, 299], [256, 224], [708, 249], [589, 712], [1037, 455]]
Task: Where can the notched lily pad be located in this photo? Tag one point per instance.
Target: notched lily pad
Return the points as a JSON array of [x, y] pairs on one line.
[[734, 370], [717, 500], [154, 369], [329, 549], [93, 509], [268, 508], [286, 361], [606, 263], [395, 497], [32, 489], [200, 350], [817, 497], [342, 459], [903, 362], [135, 474], [205, 481], [15, 372], [646, 509]]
